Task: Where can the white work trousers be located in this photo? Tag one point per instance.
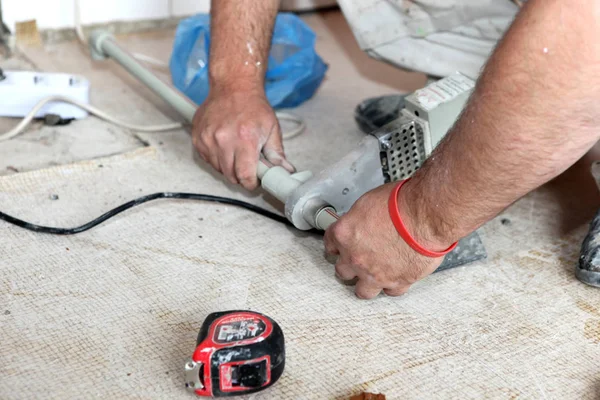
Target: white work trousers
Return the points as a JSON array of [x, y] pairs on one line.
[[437, 37]]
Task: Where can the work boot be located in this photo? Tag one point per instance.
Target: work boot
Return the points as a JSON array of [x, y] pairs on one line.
[[588, 270], [376, 112]]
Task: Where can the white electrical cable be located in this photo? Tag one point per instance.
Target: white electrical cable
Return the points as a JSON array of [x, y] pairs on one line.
[[150, 60], [140, 128], [78, 28], [301, 125], [92, 110]]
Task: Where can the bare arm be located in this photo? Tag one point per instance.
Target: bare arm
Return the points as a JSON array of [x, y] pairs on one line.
[[241, 33], [236, 123], [534, 113]]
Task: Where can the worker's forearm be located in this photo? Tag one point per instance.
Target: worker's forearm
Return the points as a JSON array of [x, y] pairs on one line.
[[241, 33], [534, 112]]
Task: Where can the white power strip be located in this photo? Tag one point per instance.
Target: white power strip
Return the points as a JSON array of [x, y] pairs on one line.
[[20, 91]]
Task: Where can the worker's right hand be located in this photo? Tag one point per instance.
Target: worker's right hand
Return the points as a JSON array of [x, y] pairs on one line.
[[232, 127]]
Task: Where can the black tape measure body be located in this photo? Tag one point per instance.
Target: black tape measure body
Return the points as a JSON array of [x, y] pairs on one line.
[[237, 352]]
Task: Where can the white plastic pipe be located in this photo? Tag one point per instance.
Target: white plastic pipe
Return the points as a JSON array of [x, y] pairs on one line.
[[325, 218]]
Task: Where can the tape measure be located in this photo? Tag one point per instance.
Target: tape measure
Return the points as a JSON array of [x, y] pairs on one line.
[[237, 352]]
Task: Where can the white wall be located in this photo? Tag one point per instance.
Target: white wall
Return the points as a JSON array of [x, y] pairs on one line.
[[52, 14]]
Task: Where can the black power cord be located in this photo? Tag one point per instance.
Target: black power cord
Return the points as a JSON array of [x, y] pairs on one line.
[[163, 195]]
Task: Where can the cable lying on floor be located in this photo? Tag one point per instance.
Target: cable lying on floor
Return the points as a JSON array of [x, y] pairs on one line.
[[17, 130], [92, 110], [163, 195]]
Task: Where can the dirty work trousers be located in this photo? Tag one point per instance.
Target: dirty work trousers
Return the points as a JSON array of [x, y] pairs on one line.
[[436, 37]]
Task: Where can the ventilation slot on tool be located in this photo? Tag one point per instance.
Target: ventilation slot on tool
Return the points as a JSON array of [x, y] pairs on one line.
[[405, 151]]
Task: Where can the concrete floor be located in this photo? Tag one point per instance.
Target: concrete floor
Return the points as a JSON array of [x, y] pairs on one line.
[[113, 312]]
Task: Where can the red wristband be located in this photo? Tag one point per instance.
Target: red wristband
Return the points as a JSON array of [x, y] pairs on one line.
[[403, 232]]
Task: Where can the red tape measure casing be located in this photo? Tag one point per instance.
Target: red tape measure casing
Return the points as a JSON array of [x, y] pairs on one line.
[[237, 352]]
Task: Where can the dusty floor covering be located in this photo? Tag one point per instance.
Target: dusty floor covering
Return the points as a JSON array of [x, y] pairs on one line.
[[112, 313]]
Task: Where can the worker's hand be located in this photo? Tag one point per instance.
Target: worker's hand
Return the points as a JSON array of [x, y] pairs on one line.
[[370, 248], [231, 128]]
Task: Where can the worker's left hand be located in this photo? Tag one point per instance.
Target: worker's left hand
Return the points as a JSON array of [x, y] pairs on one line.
[[370, 248]]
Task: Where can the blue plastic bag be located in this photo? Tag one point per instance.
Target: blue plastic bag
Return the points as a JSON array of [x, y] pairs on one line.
[[294, 71]]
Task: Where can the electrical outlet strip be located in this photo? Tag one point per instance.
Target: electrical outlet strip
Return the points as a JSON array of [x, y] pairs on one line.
[[20, 91]]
